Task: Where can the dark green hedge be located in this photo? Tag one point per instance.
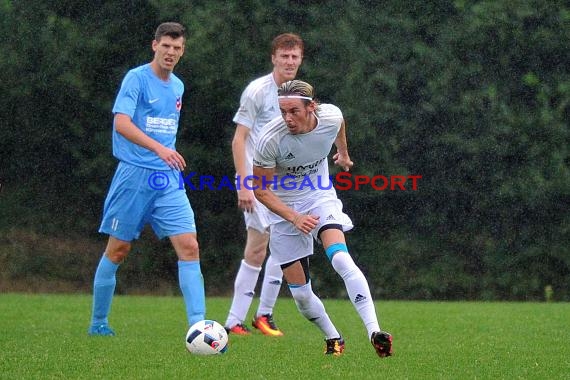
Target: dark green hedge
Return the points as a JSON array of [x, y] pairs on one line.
[[474, 96]]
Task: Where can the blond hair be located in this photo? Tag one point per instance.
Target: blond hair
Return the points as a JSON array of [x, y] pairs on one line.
[[296, 87]]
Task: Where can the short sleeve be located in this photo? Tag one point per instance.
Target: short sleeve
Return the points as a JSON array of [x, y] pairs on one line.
[[248, 109], [127, 98], [265, 154]]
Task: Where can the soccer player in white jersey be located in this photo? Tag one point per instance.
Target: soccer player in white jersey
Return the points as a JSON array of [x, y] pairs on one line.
[[291, 178], [258, 106], [145, 187]]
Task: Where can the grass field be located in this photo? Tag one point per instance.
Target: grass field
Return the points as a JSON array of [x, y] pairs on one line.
[[44, 337]]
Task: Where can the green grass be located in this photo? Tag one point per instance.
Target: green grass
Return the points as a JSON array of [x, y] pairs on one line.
[[44, 337]]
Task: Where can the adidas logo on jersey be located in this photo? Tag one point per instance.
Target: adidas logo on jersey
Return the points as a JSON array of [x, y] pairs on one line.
[[290, 156], [330, 217], [359, 298]]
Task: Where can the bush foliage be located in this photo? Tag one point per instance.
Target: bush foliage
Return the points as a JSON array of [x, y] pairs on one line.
[[474, 96]]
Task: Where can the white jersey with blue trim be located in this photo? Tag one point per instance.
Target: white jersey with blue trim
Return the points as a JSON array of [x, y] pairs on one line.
[[154, 107], [300, 160], [258, 106]]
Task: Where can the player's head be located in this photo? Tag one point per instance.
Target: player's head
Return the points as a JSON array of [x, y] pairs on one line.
[[173, 30], [287, 41], [168, 46], [297, 105], [286, 55]]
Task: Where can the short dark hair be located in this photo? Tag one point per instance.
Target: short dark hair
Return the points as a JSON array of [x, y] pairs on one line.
[[170, 29], [287, 41]]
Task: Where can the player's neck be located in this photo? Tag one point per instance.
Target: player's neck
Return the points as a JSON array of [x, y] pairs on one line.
[[161, 73], [278, 79], [311, 123]]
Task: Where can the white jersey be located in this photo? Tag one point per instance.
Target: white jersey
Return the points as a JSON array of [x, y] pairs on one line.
[[300, 160], [258, 106]]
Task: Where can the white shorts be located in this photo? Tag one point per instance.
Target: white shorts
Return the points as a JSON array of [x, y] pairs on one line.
[[258, 219], [288, 244]]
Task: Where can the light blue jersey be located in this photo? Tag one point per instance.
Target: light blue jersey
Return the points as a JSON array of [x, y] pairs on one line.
[[133, 201], [154, 107]]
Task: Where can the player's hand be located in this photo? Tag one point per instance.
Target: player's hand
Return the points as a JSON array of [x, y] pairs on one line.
[[343, 160], [246, 200], [305, 223], [172, 158]]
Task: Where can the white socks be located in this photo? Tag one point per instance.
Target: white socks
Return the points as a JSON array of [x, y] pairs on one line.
[[313, 309], [270, 287], [358, 290], [244, 290]]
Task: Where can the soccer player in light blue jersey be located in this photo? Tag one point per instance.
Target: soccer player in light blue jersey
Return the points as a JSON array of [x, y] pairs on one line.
[[145, 187], [296, 146]]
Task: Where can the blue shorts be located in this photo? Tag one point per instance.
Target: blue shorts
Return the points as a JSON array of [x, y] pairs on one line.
[[138, 196]]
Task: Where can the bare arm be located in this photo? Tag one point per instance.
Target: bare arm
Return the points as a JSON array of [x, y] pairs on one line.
[[246, 199], [125, 126], [341, 158], [304, 223]]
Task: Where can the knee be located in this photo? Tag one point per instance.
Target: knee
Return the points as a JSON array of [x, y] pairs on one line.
[[118, 253], [255, 255], [189, 250], [302, 294], [344, 265]]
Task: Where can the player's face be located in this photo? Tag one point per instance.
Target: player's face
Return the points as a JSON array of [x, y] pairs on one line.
[[286, 62], [167, 52], [297, 115]]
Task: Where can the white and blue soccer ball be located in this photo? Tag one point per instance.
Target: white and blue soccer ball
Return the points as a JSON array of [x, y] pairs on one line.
[[207, 337]]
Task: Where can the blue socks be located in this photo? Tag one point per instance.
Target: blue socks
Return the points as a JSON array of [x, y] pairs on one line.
[[103, 290], [189, 277], [192, 287]]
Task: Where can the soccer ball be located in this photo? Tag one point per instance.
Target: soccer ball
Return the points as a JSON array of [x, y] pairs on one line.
[[207, 337]]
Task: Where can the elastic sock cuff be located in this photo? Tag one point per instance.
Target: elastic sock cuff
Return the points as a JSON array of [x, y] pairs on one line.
[[188, 264], [257, 269], [334, 248], [296, 286]]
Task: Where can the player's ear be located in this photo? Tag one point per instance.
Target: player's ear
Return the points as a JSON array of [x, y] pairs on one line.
[[312, 106]]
